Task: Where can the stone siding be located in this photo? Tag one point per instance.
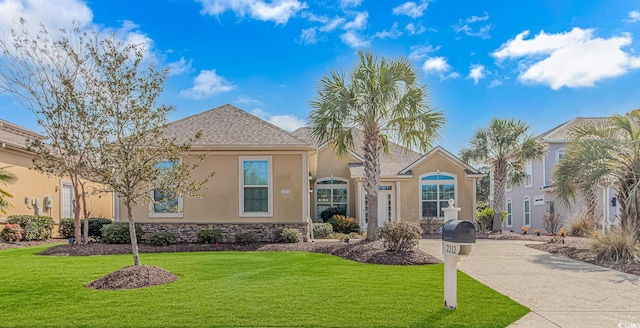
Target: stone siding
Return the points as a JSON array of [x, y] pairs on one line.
[[186, 232]]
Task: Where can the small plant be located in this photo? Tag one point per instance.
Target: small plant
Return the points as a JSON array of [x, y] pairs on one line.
[[355, 235], [12, 232], [322, 230], [583, 225], [525, 230], [118, 233], [330, 212], [484, 218], [344, 224], [537, 232], [287, 235], [35, 227], [551, 222], [401, 236], [209, 236], [246, 238], [617, 245], [163, 238], [338, 235]]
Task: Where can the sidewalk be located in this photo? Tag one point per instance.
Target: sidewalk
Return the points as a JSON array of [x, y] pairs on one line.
[[560, 292]]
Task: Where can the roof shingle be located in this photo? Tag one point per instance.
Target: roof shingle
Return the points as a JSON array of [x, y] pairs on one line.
[[563, 133]]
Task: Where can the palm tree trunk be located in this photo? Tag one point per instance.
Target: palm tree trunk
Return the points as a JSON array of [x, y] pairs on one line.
[[132, 235], [372, 149], [499, 183]]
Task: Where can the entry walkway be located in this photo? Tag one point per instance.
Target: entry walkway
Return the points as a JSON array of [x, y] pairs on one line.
[[560, 292]]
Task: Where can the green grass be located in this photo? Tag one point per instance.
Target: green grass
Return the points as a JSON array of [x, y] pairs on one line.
[[241, 289]]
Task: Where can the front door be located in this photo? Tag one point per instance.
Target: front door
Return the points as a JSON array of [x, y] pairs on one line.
[[386, 206], [66, 203]]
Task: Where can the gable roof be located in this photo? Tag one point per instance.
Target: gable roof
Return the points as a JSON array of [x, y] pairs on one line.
[[562, 132], [16, 136], [228, 127], [470, 172]]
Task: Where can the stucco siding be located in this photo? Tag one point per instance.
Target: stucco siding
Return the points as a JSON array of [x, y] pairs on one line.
[[329, 164]]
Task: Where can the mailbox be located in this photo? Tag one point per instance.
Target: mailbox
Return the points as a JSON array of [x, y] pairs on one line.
[[459, 231]]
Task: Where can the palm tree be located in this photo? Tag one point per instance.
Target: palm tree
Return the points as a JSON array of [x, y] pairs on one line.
[[5, 178], [384, 101], [505, 145], [599, 155]]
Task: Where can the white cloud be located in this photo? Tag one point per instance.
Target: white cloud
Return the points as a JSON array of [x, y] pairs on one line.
[[180, 67], [572, 59], [278, 11], [206, 84], [246, 100], [308, 36], [286, 122], [358, 23], [350, 3], [476, 73], [495, 83], [482, 32], [393, 33], [332, 24], [634, 16], [412, 29], [438, 66], [53, 14], [419, 52], [353, 40], [411, 9]]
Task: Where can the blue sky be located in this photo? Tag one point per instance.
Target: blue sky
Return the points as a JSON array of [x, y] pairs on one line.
[[544, 62]]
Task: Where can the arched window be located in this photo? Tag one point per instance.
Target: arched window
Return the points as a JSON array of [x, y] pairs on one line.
[[332, 192], [527, 211], [559, 154], [509, 213], [436, 189]]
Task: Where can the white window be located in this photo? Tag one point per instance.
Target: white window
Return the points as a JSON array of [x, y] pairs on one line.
[[509, 213], [436, 189], [559, 154], [332, 192], [528, 175], [256, 186], [165, 204], [527, 211]]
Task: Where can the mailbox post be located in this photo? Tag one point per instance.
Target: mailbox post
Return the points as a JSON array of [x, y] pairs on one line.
[[457, 238]]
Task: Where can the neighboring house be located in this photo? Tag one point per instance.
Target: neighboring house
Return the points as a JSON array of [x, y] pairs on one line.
[[34, 192], [267, 178], [527, 203], [413, 187]]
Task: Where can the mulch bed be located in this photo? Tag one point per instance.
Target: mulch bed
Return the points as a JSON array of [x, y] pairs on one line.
[[133, 277]]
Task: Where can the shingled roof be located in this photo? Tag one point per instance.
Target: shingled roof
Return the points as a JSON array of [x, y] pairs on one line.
[[562, 132], [16, 136], [228, 127]]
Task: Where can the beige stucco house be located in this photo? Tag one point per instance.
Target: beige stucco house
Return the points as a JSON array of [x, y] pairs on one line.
[[37, 193]]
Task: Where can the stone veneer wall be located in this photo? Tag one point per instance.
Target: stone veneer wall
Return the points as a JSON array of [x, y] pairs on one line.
[[186, 232]]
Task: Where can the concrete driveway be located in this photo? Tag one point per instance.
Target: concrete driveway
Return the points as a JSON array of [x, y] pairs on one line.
[[560, 292]]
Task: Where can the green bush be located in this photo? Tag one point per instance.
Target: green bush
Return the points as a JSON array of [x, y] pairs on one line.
[[118, 233], [67, 227], [35, 227], [246, 238], [163, 238], [344, 224], [12, 232], [401, 236], [322, 230], [617, 245], [484, 218], [209, 236], [330, 212], [287, 235]]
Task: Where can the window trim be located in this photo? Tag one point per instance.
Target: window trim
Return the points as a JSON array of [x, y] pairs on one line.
[[524, 211], [241, 160], [558, 153], [528, 169], [153, 214], [420, 184], [509, 213], [315, 191]]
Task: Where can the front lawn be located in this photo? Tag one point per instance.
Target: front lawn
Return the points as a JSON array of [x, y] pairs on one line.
[[241, 289]]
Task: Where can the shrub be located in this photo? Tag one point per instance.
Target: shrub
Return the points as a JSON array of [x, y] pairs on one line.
[[338, 235], [322, 230], [551, 222], [485, 218], [246, 238], [344, 224], [163, 238], [209, 236], [617, 245], [330, 212], [12, 232], [355, 235], [583, 226], [287, 235], [35, 227], [118, 233], [401, 236], [67, 227]]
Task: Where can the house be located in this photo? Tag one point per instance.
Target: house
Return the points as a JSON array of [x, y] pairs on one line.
[[34, 192], [267, 178], [527, 203]]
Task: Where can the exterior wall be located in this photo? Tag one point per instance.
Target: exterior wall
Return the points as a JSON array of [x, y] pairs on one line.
[[410, 188], [329, 164], [186, 232], [517, 196], [220, 202], [33, 184]]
